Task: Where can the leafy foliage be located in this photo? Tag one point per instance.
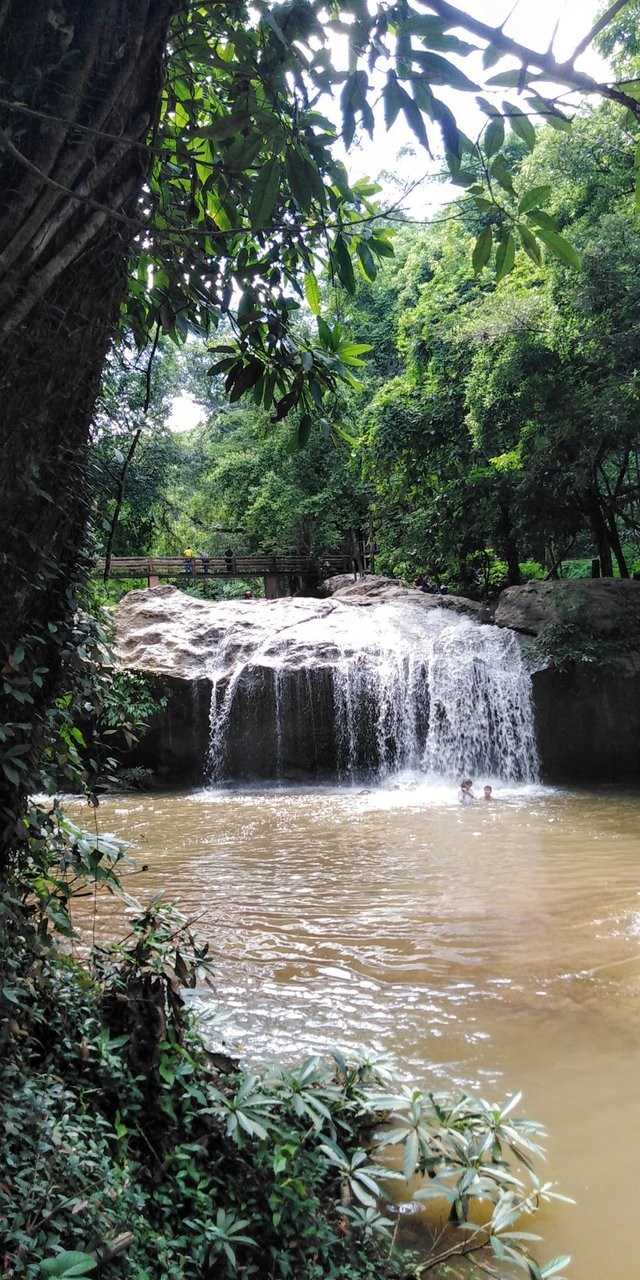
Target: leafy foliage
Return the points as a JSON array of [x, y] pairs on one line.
[[123, 1133], [564, 644], [511, 435]]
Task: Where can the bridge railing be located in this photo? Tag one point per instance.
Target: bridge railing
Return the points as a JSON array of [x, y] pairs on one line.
[[233, 566]]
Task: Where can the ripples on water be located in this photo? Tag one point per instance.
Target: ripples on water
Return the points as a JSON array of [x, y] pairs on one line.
[[495, 947]]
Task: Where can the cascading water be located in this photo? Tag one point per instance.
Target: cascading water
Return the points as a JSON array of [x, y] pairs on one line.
[[332, 688]]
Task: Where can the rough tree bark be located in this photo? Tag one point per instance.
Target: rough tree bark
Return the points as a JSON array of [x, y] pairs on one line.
[[79, 93]]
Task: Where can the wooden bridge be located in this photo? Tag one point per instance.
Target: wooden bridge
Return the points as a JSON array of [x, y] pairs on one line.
[[282, 574]]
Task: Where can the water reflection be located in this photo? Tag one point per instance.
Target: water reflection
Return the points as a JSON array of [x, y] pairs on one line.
[[495, 947]]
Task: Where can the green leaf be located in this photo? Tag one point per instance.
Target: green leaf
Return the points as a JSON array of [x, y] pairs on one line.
[[223, 126], [488, 107], [500, 171], [167, 1073], [490, 56], [440, 71], [520, 124], [68, 1263], [514, 79], [304, 429], [353, 99], [505, 257], [529, 244], [560, 248], [404, 53], [299, 179], [312, 292], [349, 352], [325, 334], [542, 219], [414, 119], [392, 97], [265, 194], [482, 250], [534, 198], [381, 247], [494, 137], [341, 259], [556, 1264], [367, 261], [557, 122], [451, 136], [410, 1158]]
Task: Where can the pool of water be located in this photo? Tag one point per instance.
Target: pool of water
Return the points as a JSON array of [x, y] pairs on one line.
[[495, 947]]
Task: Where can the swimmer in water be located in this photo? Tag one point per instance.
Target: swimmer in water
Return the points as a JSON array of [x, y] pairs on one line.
[[465, 794]]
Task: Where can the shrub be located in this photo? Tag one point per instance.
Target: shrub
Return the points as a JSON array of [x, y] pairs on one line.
[[123, 1134]]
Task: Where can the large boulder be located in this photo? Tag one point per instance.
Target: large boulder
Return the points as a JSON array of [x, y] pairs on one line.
[[588, 712], [606, 607]]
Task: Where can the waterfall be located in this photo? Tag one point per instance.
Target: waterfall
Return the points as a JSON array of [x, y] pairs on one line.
[[335, 690]]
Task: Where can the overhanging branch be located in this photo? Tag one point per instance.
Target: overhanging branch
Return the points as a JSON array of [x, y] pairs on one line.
[[598, 27], [560, 72]]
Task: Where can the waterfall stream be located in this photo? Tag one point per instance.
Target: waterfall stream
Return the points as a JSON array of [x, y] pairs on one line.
[[356, 691]]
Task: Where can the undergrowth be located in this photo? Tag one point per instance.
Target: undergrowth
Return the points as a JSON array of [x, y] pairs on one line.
[[130, 1148], [562, 645]]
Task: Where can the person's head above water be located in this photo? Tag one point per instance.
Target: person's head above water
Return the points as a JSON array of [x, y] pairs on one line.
[[487, 792], [466, 784]]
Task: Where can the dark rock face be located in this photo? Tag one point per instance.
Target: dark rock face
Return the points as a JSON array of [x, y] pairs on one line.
[[176, 742], [588, 725], [587, 716], [603, 606]]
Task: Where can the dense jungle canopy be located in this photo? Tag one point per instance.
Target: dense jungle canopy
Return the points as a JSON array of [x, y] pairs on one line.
[[178, 213], [495, 432]]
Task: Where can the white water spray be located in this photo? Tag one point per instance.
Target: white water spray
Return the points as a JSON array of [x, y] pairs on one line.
[[354, 691]]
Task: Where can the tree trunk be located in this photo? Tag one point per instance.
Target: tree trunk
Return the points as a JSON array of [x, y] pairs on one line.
[[508, 546], [91, 69], [616, 545], [600, 534]]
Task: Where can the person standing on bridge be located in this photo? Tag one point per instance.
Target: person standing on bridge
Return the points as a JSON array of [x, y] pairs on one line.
[[229, 560], [204, 556], [188, 561]]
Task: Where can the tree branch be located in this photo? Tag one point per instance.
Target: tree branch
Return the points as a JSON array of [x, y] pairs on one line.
[[560, 72], [598, 27]]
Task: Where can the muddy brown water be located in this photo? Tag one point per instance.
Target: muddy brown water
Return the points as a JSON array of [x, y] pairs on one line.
[[495, 947]]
